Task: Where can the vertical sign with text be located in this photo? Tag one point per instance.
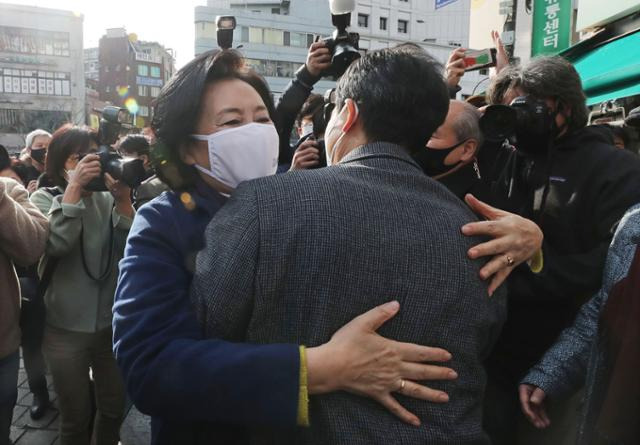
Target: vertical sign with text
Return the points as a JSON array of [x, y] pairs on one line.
[[551, 27]]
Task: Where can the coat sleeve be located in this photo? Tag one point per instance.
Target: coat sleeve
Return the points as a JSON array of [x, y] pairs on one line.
[[170, 369], [288, 107], [65, 222], [24, 229], [563, 368]]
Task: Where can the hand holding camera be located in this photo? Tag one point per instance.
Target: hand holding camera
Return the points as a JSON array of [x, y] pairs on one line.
[[306, 156], [318, 59], [88, 168]]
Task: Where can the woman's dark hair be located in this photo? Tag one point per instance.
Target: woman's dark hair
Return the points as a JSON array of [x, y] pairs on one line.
[[67, 140], [545, 77], [5, 159], [177, 107], [134, 144], [400, 93]]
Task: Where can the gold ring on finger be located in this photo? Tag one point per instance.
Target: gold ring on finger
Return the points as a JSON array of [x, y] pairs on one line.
[[510, 261]]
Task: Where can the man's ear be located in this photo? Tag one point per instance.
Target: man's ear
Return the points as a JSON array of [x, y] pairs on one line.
[[352, 115], [469, 149]]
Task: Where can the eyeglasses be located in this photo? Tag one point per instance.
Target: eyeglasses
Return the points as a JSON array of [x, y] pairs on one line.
[[329, 104]]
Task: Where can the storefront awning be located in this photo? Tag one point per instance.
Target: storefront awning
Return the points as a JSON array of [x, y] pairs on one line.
[[611, 70]]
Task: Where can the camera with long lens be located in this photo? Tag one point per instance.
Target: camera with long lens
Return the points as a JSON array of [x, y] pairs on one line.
[[527, 119], [343, 45], [225, 25], [128, 170]]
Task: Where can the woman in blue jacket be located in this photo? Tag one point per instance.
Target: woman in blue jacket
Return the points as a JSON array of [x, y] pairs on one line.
[[213, 122]]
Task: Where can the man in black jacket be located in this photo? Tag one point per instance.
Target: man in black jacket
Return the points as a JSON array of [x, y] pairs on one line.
[[295, 95], [576, 191]]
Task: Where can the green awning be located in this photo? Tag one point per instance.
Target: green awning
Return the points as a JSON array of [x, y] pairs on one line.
[[612, 70]]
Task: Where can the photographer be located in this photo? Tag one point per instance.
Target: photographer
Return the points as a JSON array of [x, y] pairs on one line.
[[87, 235], [309, 151], [137, 146], [576, 187], [295, 95]]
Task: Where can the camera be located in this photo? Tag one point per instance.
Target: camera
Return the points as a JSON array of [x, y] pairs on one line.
[[527, 119], [225, 24], [342, 45], [129, 171]]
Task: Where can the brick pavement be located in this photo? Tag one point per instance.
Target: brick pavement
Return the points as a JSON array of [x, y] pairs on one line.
[[25, 431]]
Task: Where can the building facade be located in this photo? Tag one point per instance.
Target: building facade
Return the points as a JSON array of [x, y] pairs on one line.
[[92, 64], [275, 36], [41, 71], [132, 72]]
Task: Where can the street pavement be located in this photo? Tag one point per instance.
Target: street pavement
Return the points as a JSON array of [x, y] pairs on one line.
[[136, 429]]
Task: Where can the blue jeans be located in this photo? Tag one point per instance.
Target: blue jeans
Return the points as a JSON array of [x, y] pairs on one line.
[[8, 393]]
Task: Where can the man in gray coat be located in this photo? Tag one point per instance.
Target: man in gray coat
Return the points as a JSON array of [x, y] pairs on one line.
[[291, 258]]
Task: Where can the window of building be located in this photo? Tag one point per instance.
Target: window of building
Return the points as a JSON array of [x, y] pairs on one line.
[[383, 23], [143, 70], [403, 26], [143, 90], [363, 20], [244, 33], [275, 11], [23, 121], [143, 111], [155, 91], [34, 41], [34, 82], [310, 39], [273, 37], [255, 35], [273, 68], [155, 71], [404, 1], [107, 89]]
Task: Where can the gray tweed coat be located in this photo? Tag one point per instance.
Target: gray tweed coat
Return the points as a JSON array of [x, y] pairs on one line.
[[578, 356], [292, 258]]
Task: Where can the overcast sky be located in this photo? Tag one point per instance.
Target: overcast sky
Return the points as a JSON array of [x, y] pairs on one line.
[[167, 22]]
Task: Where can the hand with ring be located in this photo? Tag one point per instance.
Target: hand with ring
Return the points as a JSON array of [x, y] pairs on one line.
[[360, 361], [514, 240]]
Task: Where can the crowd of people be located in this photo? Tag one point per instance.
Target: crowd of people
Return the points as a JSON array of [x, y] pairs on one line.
[[396, 274]]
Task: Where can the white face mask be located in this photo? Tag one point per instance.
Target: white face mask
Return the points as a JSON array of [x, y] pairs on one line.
[[306, 129], [242, 153]]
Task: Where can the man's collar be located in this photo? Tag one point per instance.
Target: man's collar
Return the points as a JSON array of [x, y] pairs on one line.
[[379, 150]]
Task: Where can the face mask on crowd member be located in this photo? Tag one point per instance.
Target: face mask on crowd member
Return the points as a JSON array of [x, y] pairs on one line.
[[234, 139], [454, 144], [37, 143]]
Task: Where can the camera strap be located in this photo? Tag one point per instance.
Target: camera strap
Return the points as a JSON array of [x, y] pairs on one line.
[[107, 270]]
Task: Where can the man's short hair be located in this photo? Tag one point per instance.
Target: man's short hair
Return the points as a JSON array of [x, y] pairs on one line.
[[313, 104], [466, 124], [545, 77], [401, 95], [33, 135], [134, 144]]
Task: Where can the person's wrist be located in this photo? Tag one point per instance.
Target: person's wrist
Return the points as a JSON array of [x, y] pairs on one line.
[[304, 76], [75, 186], [322, 374]]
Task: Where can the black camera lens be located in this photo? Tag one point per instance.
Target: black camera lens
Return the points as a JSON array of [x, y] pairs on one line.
[[498, 122]]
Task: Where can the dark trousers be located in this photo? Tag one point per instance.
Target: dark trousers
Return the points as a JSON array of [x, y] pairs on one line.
[[8, 393], [32, 320], [70, 356]]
